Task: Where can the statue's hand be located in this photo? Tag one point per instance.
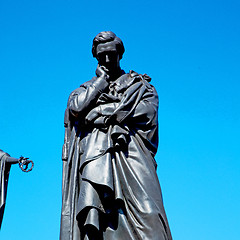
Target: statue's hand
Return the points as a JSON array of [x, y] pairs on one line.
[[93, 114], [101, 72], [96, 117]]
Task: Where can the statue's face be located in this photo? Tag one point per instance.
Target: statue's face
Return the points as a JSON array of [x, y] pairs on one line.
[[107, 56]]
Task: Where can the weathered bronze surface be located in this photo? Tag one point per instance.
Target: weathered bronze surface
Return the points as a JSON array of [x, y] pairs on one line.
[[110, 186]]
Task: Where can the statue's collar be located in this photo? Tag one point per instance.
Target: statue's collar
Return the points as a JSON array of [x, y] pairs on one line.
[[124, 81]]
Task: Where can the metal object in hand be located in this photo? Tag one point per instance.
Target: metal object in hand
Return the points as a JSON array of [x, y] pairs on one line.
[[25, 164]]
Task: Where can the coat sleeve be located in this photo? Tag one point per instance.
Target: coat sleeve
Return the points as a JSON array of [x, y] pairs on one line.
[[83, 97]]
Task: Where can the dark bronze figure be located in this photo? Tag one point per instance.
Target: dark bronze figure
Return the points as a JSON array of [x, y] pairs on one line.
[[5, 164], [110, 186]]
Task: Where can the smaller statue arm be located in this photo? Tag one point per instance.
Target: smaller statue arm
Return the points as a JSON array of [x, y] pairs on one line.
[[12, 160]]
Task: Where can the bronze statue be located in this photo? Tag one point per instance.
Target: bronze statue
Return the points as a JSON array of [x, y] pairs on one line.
[[110, 186], [5, 164]]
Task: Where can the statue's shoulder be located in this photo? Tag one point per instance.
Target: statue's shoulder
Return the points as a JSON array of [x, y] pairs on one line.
[[88, 83], [84, 85], [142, 77]]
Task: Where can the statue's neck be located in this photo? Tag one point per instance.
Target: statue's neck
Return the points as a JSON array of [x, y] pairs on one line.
[[115, 74]]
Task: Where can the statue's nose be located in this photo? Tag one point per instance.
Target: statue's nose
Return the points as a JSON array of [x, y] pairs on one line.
[[107, 58]]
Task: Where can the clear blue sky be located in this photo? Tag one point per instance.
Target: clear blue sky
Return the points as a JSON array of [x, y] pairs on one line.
[[189, 48]]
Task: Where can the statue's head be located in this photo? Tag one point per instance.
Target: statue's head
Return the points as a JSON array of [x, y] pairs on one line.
[[108, 49]]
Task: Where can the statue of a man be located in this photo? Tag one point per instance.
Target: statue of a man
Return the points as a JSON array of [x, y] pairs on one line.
[[110, 186]]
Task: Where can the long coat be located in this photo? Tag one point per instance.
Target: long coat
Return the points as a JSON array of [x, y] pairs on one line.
[[110, 186]]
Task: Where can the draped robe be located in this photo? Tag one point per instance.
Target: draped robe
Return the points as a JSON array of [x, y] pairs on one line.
[[110, 186]]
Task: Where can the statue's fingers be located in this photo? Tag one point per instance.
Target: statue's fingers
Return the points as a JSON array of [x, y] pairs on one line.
[[92, 115]]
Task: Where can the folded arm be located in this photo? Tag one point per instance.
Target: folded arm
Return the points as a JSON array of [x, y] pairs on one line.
[[138, 105]]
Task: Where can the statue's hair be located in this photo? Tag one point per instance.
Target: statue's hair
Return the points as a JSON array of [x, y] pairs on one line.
[[107, 36]]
